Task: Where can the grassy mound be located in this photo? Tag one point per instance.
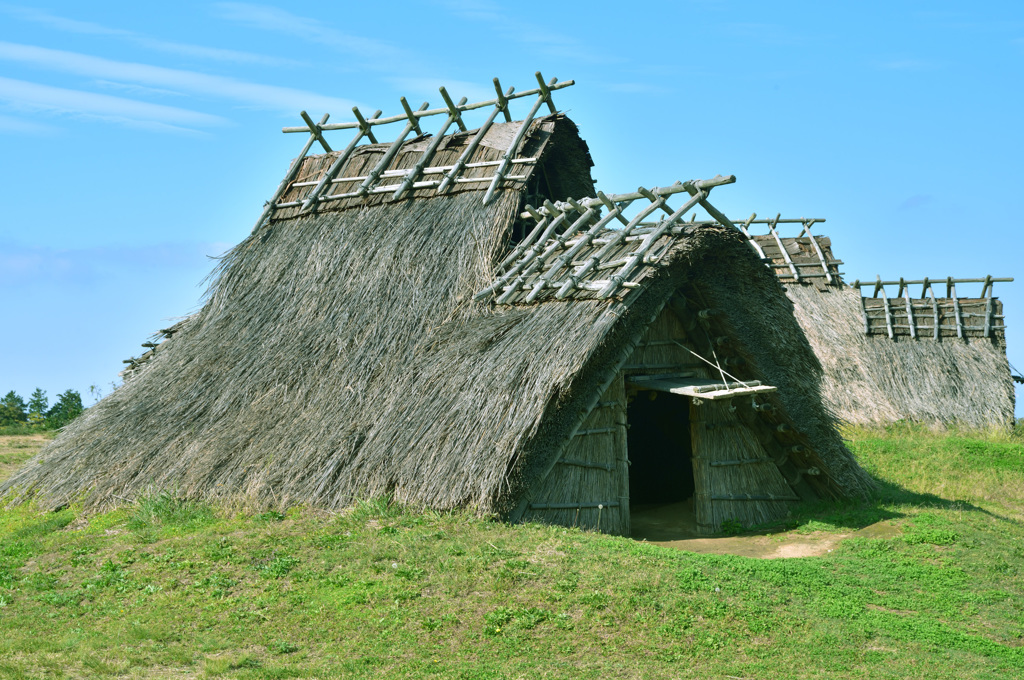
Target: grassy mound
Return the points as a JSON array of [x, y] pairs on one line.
[[173, 588]]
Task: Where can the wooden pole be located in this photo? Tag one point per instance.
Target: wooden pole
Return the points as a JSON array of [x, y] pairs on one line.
[[293, 171], [389, 155], [316, 131], [951, 293], [428, 154], [551, 87], [817, 249], [785, 253], [638, 255], [450, 177], [499, 173], [905, 290], [314, 196]]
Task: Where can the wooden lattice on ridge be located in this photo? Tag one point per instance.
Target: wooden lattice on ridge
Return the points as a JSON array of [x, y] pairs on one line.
[[576, 252], [928, 315], [806, 258], [328, 186]]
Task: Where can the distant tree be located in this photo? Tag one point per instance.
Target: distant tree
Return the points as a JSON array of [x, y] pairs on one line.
[[67, 408], [37, 405], [12, 409]]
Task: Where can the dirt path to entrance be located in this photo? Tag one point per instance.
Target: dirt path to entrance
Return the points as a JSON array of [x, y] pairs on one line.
[[673, 525]]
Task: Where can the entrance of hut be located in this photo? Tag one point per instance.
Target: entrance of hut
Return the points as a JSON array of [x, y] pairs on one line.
[[661, 480]]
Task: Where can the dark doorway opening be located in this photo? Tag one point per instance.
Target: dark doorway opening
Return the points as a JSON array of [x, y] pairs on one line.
[[661, 466], [660, 450]]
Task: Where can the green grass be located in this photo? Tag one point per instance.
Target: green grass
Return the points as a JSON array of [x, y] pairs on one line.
[[171, 588]]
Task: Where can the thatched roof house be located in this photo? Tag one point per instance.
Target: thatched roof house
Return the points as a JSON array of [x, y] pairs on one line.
[[888, 354], [423, 337]]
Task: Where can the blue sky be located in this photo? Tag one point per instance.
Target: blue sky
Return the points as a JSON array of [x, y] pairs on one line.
[[138, 140]]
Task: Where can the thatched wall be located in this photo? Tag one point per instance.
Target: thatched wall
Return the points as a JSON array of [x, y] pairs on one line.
[[874, 380], [309, 326]]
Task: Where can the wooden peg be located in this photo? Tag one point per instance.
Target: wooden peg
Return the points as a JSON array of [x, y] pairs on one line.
[[546, 92], [364, 126], [502, 104], [315, 130], [413, 121], [456, 114]]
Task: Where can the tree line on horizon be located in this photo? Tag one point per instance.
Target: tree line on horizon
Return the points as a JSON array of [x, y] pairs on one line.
[[37, 413]]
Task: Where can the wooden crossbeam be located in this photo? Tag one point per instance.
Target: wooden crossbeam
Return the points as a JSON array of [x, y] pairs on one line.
[[428, 153], [782, 248], [325, 180], [388, 156], [544, 96], [501, 105], [638, 255], [422, 113], [289, 177], [817, 249], [905, 290]]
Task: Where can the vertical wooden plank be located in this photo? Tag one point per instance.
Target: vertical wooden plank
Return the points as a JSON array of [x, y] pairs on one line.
[[702, 510]]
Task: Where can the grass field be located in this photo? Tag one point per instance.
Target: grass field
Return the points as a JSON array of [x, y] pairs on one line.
[[171, 589]]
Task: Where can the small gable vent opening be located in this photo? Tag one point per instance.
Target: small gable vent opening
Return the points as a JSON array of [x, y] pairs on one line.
[[661, 480]]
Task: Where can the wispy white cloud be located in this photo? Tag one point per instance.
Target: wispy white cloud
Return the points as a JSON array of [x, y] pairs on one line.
[[271, 97], [20, 126], [27, 96], [532, 33], [67, 25], [138, 90], [371, 53]]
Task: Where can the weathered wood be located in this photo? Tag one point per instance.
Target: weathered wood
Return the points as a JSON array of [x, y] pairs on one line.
[[817, 249], [691, 186], [475, 142], [951, 292], [586, 464], [292, 173], [638, 255], [704, 388], [388, 156], [570, 506], [782, 248], [524, 127], [910, 310], [316, 130], [428, 153], [314, 196], [551, 86]]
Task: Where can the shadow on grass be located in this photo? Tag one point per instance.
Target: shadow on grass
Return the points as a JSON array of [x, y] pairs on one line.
[[857, 514]]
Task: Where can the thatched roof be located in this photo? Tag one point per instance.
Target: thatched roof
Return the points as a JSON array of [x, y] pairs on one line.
[[936, 358], [341, 353], [872, 379]]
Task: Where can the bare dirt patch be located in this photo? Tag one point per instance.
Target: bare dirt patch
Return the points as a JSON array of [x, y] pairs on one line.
[[674, 526]]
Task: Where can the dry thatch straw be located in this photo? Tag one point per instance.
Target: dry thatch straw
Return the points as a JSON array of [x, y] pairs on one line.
[[873, 380], [341, 355]]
